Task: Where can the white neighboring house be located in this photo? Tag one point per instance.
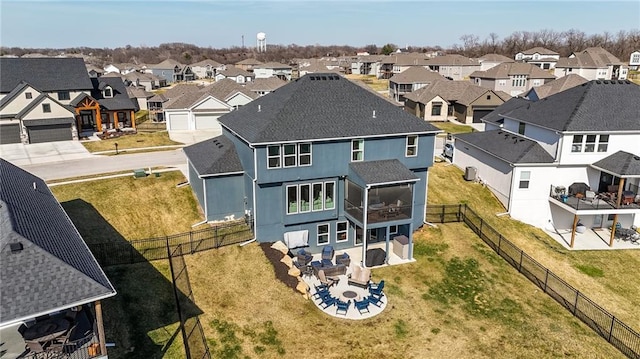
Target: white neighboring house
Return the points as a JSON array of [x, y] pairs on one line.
[[236, 74], [200, 110], [492, 60], [207, 69], [593, 63], [542, 57], [634, 60], [272, 69], [576, 136]]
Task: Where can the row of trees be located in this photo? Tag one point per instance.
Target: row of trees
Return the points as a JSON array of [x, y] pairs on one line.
[[620, 45]]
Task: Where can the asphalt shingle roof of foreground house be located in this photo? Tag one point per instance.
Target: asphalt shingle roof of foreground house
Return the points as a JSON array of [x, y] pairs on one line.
[[46, 74], [382, 171], [320, 106], [609, 105], [621, 164], [507, 146], [496, 116], [214, 156], [54, 268]]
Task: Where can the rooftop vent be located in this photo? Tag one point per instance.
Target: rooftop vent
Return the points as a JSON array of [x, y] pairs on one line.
[[598, 82], [259, 108], [374, 114], [35, 187], [16, 247]]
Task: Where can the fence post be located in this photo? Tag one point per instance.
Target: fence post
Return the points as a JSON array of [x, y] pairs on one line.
[[459, 211], [215, 236], [480, 229], [442, 215], [545, 280], [520, 264], [575, 305], [191, 241], [499, 242], [131, 250], [613, 320]]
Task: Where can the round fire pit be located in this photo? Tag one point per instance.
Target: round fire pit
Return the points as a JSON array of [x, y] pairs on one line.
[[349, 294]]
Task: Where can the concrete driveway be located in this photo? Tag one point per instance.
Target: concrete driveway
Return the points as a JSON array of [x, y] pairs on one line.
[[36, 153], [190, 137]]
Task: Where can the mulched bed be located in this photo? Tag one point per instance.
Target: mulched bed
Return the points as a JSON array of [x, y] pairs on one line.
[[281, 269]]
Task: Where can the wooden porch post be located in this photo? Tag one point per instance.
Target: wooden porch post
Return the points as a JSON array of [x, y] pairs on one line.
[[100, 325], [573, 229], [615, 216], [115, 119], [133, 119], [98, 118]]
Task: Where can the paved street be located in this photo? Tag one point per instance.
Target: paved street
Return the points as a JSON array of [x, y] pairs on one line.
[[103, 164]]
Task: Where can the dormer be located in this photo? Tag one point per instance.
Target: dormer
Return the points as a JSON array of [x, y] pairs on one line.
[[107, 92]]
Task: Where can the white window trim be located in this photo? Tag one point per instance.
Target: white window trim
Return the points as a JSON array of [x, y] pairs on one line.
[[294, 155], [522, 180], [324, 195], [104, 92], [596, 144], [279, 157], [310, 154], [338, 232], [407, 146], [361, 141], [321, 196], [310, 202], [297, 199], [327, 234]]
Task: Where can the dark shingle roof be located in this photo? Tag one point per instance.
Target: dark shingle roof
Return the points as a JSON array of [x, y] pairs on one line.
[[11, 95], [55, 269], [496, 116], [507, 146], [120, 99], [214, 156], [594, 106], [622, 164], [46, 74], [320, 106], [383, 171]]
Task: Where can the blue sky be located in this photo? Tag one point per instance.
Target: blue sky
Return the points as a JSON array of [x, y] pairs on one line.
[[58, 24]]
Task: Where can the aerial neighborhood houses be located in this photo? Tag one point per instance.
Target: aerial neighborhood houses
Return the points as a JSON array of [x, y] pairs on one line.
[[593, 63], [54, 99]]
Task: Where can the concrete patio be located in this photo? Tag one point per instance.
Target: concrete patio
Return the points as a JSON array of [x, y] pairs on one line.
[[591, 239]]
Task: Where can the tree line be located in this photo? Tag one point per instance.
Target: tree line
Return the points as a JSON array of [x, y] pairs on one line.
[[620, 44]]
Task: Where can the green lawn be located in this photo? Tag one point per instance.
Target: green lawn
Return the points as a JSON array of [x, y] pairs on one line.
[[141, 139], [458, 299]]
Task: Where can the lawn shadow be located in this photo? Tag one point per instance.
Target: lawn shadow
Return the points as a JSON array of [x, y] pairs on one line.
[[142, 319]]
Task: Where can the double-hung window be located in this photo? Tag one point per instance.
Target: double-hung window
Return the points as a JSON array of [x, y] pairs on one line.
[[46, 107], [525, 176], [273, 156], [292, 199], [357, 150], [436, 108], [308, 197], [290, 155], [412, 146], [342, 231], [603, 143], [576, 145], [304, 154], [590, 144], [323, 233]]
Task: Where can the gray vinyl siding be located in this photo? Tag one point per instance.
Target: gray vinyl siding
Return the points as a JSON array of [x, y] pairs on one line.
[[197, 185]]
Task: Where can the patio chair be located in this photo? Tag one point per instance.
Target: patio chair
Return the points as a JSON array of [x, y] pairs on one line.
[[360, 277], [327, 256], [343, 259], [304, 257], [328, 281], [342, 307], [327, 302], [362, 306], [377, 301], [376, 289], [321, 290]]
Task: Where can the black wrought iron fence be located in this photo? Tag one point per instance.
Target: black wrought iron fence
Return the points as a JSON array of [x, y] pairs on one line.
[[194, 340], [620, 335], [143, 250]]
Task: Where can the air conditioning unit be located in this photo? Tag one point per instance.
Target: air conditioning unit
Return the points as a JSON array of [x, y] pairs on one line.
[[470, 173]]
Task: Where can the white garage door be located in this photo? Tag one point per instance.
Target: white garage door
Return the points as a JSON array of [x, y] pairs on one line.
[[178, 121], [207, 122]]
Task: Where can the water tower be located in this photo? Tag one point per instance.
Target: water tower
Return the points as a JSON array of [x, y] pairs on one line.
[[262, 42]]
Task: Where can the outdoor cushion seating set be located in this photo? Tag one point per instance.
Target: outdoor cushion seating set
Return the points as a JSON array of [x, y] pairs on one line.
[[327, 300]]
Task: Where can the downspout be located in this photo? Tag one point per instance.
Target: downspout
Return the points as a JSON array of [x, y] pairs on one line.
[[364, 226], [253, 210]]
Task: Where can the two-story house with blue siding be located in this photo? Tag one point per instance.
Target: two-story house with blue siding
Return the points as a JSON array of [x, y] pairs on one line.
[[569, 158], [320, 161]]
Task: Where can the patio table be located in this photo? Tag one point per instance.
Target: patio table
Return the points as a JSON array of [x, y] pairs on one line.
[[46, 330]]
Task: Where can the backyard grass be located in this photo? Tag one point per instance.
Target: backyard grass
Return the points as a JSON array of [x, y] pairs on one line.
[[142, 139], [459, 299], [449, 127], [136, 208]]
